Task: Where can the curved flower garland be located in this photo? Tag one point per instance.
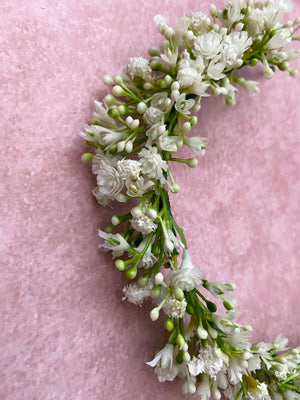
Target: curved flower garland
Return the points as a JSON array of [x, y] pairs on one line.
[[136, 132]]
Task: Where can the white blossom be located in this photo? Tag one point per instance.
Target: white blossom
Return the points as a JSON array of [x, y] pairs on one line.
[[137, 187], [199, 22], [153, 115], [203, 389], [138, 66], [168, 143], [152, 165], [166, 369], [215, 69], [114, 242], [175, 308], [280, 39], [186, 277], [233, 10], [129, 169], [102, 116], [209, 360], [208, 45], [149, 258], [260, 393], [184, 105], [109, 183], [195, 143], [135, 294], [143, 224]]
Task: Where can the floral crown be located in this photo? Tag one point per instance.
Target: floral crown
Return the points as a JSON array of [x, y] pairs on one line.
[[135, 133]]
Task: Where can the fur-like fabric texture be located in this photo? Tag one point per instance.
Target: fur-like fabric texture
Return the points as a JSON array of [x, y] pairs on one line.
[[65, 333]]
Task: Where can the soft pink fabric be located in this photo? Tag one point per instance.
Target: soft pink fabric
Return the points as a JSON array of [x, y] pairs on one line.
[[65, 333]]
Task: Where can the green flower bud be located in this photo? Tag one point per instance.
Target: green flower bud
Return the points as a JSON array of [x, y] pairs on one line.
[[87, 157], [120, 265], [169, 324], [131, 272]]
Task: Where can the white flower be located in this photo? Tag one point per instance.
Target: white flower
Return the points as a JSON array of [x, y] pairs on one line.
[[280, 343], [186, 277], [255, 22], [237, 368], [109, 183], [260, 393], [143, 224], [152, 115], [129, 169], [196, 144], [103, 136], [175, 308], [203, 389], [181, 28], [102, 117], [152, 165], [251, 87], [160, 101], [149, 258], [209, 361], [138, 66], [184, 105], [166, 369], [274, 11], [168, 143], [135, 294], [215, 69], [137, 187], [114, 242], [233, 10], [235, 44], [199, 22], [280, 39], [208, 45]]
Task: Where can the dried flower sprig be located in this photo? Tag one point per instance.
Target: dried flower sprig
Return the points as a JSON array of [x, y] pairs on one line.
[[136, 132]]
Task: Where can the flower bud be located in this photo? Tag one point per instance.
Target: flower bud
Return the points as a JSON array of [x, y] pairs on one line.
[[159, 278], [153, 52], [136, 212], [122, 109], [129, 147], [115, 220], [213, 10], [87, 157], [113, 113], [155, 292], [175, 188], [192, 162], [152, 213], [110, 100], [212, 333], [118, 80], [186, 127], [186, 356], [108, 80], [120, 265], [154, 314], [202, 333], [178, 293], [169, 324], [121, 146], [142, 281], [168, 79], [118, 91], [141, 107], [128, 121], [131, 272], [193, 120]]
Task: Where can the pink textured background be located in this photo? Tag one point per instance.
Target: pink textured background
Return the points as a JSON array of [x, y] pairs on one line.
[[65, 334]]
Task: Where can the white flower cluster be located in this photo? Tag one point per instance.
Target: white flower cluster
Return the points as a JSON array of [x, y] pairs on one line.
[[136, 131]]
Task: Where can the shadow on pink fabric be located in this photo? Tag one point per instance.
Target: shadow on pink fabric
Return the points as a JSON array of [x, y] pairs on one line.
[[65, 333]]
